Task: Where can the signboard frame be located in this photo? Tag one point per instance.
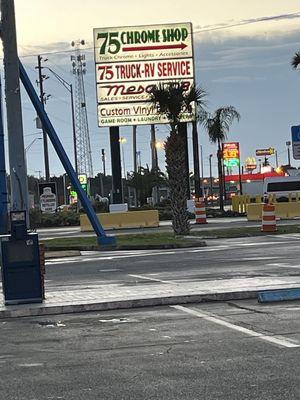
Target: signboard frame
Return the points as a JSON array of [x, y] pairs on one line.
[[295, 131], [150, 54], [265, 152]]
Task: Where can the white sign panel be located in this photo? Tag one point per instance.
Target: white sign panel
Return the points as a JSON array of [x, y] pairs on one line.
[[131, 61], [48, 201]]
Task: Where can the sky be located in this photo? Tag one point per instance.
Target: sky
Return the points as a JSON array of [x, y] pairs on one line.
[[242, 58]]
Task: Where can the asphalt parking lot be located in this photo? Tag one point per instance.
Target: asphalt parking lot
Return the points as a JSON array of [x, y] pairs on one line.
[[234, 350]]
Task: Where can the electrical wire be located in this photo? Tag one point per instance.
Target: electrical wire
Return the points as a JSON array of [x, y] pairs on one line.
[[220, 26]]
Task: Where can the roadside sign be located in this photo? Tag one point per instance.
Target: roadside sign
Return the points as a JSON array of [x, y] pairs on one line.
[[83, 182], [296, 141], [48, 200], [265, 152], [250, 164], [231, 154], [131, 61]]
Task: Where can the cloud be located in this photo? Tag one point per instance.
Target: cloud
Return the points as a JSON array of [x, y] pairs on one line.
[[243, 53], [232, 23], [234, 79]]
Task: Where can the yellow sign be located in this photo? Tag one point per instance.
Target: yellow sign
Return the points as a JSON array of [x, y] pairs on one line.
[[82, 179]]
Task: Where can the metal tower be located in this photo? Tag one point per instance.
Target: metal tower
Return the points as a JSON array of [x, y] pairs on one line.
[[83, 161]]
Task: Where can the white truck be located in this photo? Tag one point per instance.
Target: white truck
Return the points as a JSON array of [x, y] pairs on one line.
[[282, 186]]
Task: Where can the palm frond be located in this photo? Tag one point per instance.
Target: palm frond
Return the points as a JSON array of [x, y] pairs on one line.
[[296, 60], [174, 98], [218, 124]]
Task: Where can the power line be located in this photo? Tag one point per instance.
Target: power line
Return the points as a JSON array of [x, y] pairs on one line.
[[210, 28]]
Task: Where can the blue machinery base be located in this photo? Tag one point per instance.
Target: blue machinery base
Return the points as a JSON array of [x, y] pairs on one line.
[[103, 239]]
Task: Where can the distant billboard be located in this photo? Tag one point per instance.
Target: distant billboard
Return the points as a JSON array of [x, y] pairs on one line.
[[131, 61], [250, 164], [231, 154], [265, 152]]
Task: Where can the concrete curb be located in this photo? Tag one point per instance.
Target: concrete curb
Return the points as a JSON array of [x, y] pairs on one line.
[[199, 243], [32, 310], [62, 253]]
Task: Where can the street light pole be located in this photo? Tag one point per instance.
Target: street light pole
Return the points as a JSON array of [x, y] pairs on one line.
[[288, 144], [30, 144], [210, 175], [154, 163], [103, 161]]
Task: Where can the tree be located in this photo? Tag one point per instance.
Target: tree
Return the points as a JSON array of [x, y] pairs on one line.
[[217, 126], [296, 60], [144, 181], [172, 100]]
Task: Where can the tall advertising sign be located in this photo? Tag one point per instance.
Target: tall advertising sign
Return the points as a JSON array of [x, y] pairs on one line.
[[231, 154], [131, 61]]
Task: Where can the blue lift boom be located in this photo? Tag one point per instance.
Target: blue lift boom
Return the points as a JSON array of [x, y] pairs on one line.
[[102, 238]]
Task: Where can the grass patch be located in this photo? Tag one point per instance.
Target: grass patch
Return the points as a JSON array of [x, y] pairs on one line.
[[163, 238], [143, 239], [244, 232]]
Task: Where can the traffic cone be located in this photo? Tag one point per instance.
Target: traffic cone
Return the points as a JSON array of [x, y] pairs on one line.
[[268, 218], [200, 212]]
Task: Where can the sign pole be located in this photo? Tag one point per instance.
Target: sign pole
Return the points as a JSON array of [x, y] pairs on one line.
[[240, 179], [117, 192]]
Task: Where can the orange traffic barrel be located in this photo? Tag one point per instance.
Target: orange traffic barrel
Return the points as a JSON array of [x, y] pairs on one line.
[[200, 211], [268, 218]]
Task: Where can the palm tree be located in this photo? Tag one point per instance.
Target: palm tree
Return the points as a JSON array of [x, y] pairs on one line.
[[217, 126], [173, 100], [296, 60]]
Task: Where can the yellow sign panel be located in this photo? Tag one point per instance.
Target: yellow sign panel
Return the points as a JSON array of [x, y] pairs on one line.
[[82, 179]]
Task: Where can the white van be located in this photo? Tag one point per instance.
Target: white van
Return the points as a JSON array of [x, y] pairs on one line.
[[282, 186]]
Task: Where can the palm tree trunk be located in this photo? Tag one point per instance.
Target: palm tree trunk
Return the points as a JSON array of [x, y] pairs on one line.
[[176, 169], [220, 173]]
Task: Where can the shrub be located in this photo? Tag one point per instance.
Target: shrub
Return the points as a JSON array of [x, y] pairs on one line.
[[64, 218]]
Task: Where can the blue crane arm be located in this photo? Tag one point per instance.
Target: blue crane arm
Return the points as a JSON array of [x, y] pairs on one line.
[[102, 238]]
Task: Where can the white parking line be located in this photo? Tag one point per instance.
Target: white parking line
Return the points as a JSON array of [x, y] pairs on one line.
[[151, 279], [276, 339], [283, 265]]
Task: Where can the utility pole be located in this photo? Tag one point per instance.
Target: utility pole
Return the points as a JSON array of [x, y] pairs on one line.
[[18, 173], [134, 148], [196, 161], [154, 163], [103, 161], [43, 100]]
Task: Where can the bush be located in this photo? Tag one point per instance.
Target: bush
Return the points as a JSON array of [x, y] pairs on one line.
[[64, 218]]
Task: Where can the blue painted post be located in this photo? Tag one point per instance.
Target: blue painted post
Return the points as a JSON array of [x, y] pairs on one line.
[[3, 186], [102, 237]]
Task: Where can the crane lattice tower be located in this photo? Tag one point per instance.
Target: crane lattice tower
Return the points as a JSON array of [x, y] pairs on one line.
[[83, 160]]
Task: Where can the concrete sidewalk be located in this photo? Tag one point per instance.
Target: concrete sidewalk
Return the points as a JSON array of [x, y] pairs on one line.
[[109, 296]]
